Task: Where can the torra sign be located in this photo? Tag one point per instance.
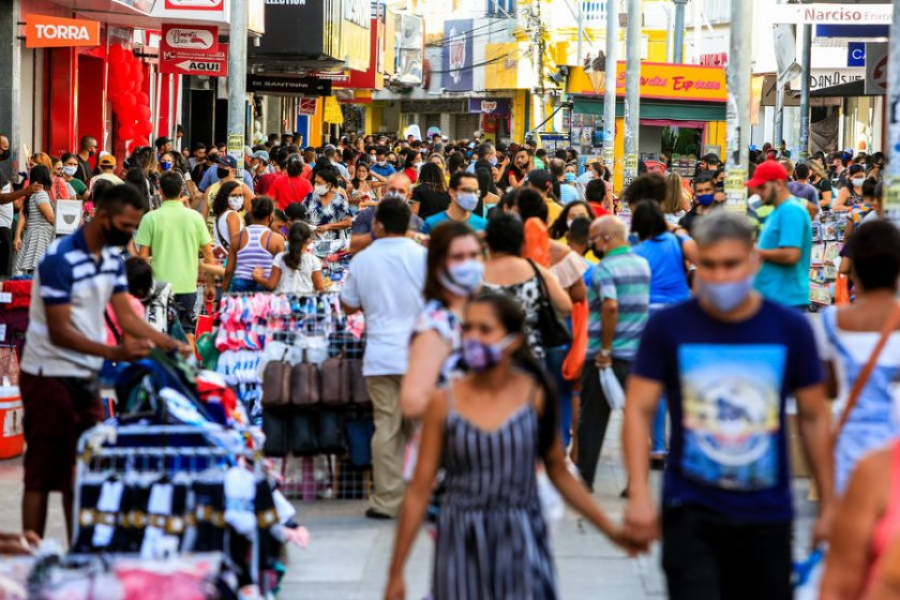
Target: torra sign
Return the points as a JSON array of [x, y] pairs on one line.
[[55, 32]]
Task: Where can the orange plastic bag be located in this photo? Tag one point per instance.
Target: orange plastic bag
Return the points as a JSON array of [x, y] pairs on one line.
[[571, 368], [537, 242], [842, 290]]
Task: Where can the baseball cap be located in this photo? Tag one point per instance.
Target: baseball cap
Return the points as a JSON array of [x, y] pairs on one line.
[[766, 172], [540, 178], [261, 155], [107, 160], [228, 161]]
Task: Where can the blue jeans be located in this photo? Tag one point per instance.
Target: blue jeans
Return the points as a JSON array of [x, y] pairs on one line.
[[554, 361], [245, 285]]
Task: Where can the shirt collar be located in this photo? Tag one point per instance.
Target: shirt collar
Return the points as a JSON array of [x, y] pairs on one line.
[[173, 203], [79, 241], [619, 250]]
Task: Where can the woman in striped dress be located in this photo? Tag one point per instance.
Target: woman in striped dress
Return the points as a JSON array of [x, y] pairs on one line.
[[488, 429], [253, 247], [40, 226]]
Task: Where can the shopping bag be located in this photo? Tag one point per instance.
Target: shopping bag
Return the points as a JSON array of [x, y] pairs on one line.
[[612, 389], [574, 361]]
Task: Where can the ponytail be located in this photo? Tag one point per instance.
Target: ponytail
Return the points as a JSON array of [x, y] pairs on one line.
[[298, 236]]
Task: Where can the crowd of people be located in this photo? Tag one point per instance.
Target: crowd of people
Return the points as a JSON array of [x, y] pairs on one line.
[[508, 301]]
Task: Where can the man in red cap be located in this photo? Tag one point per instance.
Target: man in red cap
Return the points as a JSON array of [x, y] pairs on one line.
[[785, 244]]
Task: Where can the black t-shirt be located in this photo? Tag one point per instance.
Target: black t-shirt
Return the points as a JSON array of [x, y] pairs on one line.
[[823, 185], [84, 170], [687, 221], [430, 201], [198, 171]]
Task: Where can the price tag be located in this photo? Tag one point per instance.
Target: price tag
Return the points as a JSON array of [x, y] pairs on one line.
[[5, 297], [736, 190]]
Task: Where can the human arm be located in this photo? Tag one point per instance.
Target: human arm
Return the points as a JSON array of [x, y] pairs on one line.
[[558, 295], [137, 327], [46, 211], [887, 580], [781, 256], [609, 320], [415, 503], [351, 301], [427, 353], [269, 283], [209, 264], [63, 334], [320, 284], [20, 227], [847, 561], [814, 421], [641, 400], [25, 191], [825, 199], [840, 204], [689, 250], [231, 262]]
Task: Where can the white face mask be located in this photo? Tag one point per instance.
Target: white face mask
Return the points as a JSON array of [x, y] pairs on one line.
[[70, 171], [235, 202], [321, 190], [858, 181]]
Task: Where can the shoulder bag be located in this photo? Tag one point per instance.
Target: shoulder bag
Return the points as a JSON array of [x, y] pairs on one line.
[[554, 331]]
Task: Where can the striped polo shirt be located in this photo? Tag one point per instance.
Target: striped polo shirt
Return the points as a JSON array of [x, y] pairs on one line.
[[70, 274], [624, 277]]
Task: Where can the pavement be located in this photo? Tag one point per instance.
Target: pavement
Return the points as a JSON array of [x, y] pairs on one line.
[[348, 556]]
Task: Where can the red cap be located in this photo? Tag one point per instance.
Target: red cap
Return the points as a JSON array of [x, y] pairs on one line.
[[768, 171]]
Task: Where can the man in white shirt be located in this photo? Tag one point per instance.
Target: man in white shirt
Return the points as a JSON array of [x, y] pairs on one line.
[[385, 282]]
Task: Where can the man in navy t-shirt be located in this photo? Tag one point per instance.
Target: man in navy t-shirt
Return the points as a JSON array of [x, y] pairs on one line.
[[726, 360]]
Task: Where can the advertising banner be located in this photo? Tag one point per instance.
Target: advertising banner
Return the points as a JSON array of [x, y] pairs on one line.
[[456, 56], [190, 62], [55, 32], [200, 40]]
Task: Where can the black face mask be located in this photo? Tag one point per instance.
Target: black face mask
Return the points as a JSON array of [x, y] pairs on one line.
[[222, 172], [115, 236], [5, 154], [598, 253]]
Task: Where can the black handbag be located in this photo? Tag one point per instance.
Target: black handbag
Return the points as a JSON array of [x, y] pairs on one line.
[[554, 331]]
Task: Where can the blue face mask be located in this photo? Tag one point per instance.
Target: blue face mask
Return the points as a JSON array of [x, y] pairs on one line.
[[725, 297], [463, 278], [165, 166], [706, 199], [493, 161], [481, 357], [570, 177], [467, 201]]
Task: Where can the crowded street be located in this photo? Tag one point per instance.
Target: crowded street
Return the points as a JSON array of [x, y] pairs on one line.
[[449, 300]]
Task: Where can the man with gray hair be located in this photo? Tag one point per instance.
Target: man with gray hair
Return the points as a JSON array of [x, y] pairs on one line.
[[726, 360], [618, 296]]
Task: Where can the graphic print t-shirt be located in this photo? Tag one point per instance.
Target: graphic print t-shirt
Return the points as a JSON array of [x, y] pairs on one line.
[[726, 384]]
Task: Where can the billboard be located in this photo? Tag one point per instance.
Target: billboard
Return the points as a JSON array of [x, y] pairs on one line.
[[456, 56], [410, 49]]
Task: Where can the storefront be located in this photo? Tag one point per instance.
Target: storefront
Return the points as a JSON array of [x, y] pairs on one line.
[[682, 112]]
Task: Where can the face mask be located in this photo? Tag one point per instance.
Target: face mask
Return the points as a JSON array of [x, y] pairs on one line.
[[235, 202], [5, 154], [90, 153], [165, 166], [222, 172], [70, 171], [570, 177], [463, 278], [706, 199], [382, 163], [115, 236], [284, 231], [725, 297], [483, 357], [467, 201], [858, 181], [493, 161], [321, 190]]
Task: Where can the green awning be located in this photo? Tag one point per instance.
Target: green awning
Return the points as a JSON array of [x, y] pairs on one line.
[[678, 111]]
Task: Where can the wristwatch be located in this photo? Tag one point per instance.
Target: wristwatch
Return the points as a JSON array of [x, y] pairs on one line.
[[605, 352]]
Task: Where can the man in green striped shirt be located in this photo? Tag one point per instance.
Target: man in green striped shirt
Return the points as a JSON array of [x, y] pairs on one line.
[[618, 302]]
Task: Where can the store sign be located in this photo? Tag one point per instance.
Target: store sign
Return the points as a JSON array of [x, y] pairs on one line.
[[876, 68], [456, 64], [217, 5], [358, 12], [191, 62], [660, 81], [826, 78], [199, 39], [308, 86], [715, 59], [833, 14], [856, 54], [498, 107], [55, 32], [307, 106]]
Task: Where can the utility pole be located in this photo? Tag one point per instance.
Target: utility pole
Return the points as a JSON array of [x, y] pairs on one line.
[[237, 81], [580, 19], [806, 63], [738, 106], [539, 41], [609, 98], [678, 54], [779, 106], [632, 89], [892, 197]]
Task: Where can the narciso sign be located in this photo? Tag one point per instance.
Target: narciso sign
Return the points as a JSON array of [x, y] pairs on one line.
[[55, 32]]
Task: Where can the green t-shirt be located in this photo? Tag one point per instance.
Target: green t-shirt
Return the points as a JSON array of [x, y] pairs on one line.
[[175, 235], [78, 186]]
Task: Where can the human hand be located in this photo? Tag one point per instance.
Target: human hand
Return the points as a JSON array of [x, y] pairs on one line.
[[259, 272], [641, 520], [603, 362], [822, 529], [17, 245], [618, 537], [131, 349], [396, 589], [33, 188]]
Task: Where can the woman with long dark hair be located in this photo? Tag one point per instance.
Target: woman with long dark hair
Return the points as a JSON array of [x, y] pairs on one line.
[[455, 272], [488, 430], [430, 196], [577, 209], [227, 222], [327, 207], [40, 229]]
